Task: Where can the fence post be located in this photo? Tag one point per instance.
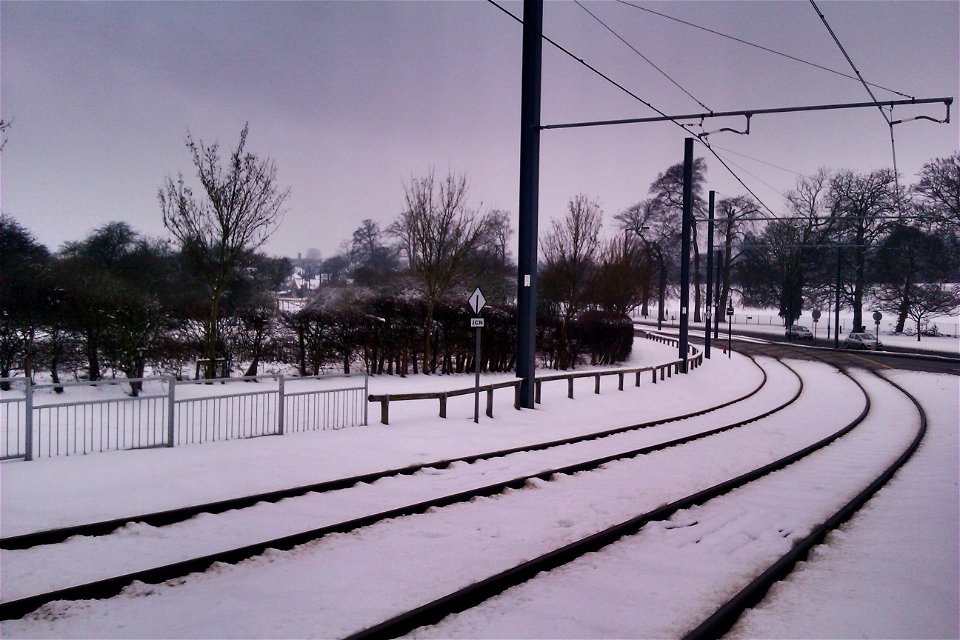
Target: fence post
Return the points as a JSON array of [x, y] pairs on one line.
[[537, 385], [596, 384], [366, 390], [280, 403], [490, 402], [638, 378], [570, 387], [654, 375], [620, 375], [171, 408], [385, 410], [28, 420], [516, 394], [443, 405]]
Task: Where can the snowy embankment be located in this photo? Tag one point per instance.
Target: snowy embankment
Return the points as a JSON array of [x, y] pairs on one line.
[[651, 584], [63, 491], [139, 546]]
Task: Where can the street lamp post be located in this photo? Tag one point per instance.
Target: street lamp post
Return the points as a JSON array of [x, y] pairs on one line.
[[730, 331]]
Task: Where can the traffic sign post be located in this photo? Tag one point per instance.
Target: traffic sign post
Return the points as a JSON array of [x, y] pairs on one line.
[[816, 318], [877, 316], [477, 302]]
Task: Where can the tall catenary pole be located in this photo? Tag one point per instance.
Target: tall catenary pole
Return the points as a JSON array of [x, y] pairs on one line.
[[685, 247], [836, 308], [706, 336], [717, 311], [529, 196]]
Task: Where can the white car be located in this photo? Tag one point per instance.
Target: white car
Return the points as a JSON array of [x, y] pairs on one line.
[[798, 332], [861, 340]]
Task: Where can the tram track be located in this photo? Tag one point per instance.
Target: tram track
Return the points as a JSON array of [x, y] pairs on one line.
[[481, 591], [254, 570], [110, 586], [172, 516], [723, 618]]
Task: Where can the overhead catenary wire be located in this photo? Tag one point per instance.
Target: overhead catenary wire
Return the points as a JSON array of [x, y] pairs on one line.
[[642, 101], [761, 47], [645, 58], [758, 179], [769, 164], [823, 219], [888, 120]]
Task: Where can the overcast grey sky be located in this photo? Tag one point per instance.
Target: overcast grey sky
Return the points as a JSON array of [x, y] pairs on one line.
[[351, 99]]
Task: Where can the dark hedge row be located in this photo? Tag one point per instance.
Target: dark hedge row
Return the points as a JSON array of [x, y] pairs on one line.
[[388, 338], [383, 335]]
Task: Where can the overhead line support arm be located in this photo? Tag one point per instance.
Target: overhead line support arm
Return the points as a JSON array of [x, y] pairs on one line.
[[947, 101]]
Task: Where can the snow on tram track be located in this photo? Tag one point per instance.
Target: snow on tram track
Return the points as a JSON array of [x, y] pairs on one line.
[[100, 565], [421, 557], [692, 574]]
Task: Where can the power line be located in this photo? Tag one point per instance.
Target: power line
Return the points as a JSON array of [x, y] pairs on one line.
[[888, 120], [757, 46], [758, 179], [823, 220], [645, 58], [769, 164], [823, 18], [642, 101]]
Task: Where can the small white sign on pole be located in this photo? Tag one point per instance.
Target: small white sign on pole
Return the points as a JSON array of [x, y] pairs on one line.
[[476, 323]]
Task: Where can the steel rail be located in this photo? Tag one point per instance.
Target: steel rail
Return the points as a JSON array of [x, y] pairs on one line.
[[474, 594], [108, 587], [723, 619], [171, 516]]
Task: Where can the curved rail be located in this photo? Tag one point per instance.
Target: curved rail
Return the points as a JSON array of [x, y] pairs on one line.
[[474, 594], [171, 516], [723, 619], [111, 586]]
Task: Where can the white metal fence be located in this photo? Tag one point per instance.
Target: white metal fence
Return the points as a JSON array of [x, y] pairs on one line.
[[39, 422]]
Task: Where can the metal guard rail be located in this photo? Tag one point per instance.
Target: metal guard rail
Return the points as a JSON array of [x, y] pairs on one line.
[[663, 370]]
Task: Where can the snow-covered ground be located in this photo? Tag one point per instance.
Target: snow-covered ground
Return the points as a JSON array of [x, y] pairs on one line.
[[766, 321], [940, 344], [904, 543]]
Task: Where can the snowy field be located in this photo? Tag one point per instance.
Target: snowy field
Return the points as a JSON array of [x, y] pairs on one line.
[[892, 571], [931, 345], [939, 344]]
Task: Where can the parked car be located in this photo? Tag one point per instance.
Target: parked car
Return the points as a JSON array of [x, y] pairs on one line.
[[861, 340], [798, 332]]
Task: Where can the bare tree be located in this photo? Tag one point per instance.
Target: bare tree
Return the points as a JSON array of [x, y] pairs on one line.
[[657, 230], [570, 253], [908, 256], [622, 276], [498, 233], [437, 232], [932, 300], [732, 222], [240, 208], [372, 262], [667, 192], [4, 125], [860, 206], [939, 189]]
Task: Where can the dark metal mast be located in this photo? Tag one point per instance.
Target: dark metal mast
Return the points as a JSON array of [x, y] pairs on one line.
[[685, 247], [529, 200], [706, 337]]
